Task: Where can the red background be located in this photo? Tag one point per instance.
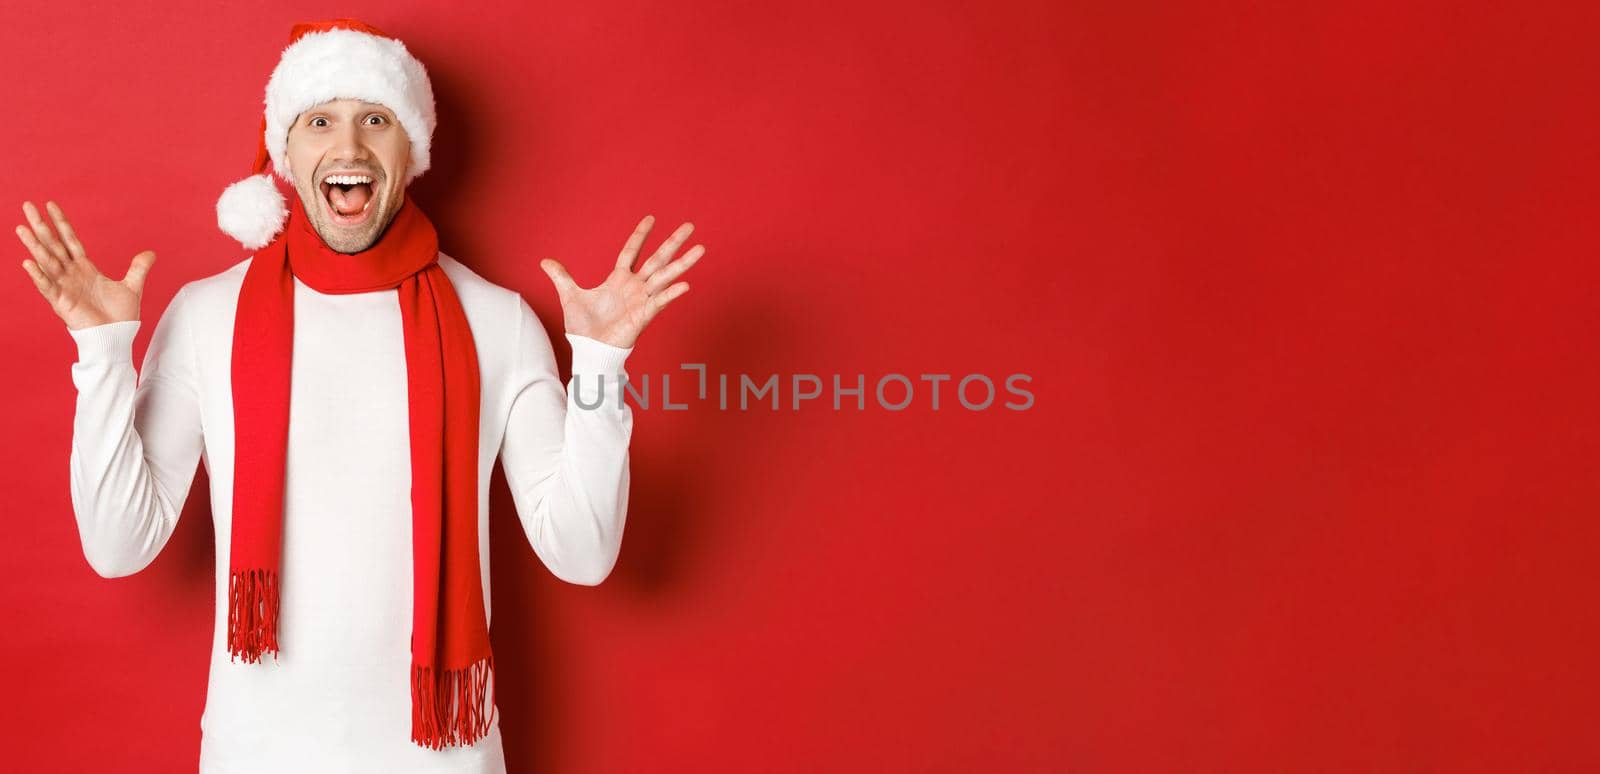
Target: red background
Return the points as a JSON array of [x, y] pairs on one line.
[[1306, 295]]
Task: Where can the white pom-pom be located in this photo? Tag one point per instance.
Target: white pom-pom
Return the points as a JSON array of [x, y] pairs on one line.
[[252, 211]]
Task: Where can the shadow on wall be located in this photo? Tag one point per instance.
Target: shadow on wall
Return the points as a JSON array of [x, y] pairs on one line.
[[455, 165], [672, 519], [670, 532]]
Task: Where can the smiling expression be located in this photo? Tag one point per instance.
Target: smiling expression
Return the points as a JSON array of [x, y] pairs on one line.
[[349, 159]]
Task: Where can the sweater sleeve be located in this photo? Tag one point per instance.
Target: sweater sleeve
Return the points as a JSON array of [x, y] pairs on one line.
[[565, 452], [136, 439]]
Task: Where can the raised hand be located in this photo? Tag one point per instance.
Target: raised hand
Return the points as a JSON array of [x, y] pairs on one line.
[[617, 310], [80, 295]]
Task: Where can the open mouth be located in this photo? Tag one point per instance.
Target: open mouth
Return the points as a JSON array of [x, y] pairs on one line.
[[348, 197]]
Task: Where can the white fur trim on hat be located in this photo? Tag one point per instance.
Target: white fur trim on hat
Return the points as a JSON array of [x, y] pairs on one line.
[[348, 64], [252, 211]]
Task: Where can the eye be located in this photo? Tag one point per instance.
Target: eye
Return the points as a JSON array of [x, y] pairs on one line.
[[377, 119], [319, 121]]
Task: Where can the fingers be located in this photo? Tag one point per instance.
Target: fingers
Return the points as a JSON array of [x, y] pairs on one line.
[[41, 256], [43, 233], [46, 286], [68, 236], [138, 270], [631, 249], [665, 251], [672, 271], [559, 276], [660, 300]]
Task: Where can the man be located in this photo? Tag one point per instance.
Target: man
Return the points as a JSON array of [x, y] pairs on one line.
[[348, 387]]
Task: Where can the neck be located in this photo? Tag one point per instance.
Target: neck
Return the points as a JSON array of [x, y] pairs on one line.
[[407, 245]]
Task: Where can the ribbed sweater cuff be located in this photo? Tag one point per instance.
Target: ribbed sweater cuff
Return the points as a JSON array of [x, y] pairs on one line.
[[593, 356], [110, 342]]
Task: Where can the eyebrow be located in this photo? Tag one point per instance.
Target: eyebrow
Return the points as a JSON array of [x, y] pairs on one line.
[[365, 107]]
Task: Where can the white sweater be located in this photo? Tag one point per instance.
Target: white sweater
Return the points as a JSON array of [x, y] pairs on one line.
[[336, 698]]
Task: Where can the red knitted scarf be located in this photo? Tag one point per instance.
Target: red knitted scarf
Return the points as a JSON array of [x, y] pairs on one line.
[[452, 666]]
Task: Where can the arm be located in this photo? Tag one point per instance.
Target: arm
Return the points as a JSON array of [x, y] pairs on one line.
[[567, 466], [133, 445], [136, 439]]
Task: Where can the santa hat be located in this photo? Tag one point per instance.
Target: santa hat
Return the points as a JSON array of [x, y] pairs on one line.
[[336, 59]]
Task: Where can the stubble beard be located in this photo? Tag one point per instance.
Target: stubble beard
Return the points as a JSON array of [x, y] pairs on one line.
[[345, 239]]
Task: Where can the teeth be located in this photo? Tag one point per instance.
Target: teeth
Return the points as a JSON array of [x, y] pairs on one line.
[[346, 179]]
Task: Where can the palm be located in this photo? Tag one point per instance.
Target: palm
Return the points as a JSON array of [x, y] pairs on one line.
[[87, 294], [617, 310], [76, 290]]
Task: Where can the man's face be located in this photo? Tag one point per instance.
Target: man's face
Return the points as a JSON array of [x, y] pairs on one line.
[[365, 152]]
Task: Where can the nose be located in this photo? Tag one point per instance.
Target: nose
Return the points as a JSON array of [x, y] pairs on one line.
[[347, 144]]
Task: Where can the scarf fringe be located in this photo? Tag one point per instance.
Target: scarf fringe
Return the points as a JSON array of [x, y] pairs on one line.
[[452, 706], [252, 614]]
